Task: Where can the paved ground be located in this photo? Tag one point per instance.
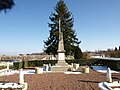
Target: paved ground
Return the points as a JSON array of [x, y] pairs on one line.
[[61, 81]]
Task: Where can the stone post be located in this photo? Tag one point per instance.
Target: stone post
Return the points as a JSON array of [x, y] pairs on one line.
[[39, 70], [75, 66], [86, 70], [7, 65], [109, 78], [21, 80], [21, 77], [7, 69], [46, 66]]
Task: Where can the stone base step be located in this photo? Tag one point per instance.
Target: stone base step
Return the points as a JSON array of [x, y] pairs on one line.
[[60, 68], [61, 63]]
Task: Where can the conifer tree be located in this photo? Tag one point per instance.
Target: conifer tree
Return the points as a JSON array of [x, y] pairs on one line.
[[115, 48], [6, 4], [78, 53], [69, 34]]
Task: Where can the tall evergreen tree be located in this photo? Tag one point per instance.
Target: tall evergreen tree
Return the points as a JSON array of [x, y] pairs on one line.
[[78, 53], [6, 4], [115, 48], [69, 34]]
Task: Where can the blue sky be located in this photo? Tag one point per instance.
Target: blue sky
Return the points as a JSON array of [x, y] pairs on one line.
[[23, 29]]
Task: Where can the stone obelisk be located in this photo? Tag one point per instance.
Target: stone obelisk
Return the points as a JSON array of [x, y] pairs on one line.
[[61, 51], [61, 66]]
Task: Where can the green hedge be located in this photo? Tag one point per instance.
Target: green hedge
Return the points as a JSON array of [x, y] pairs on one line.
[[41, 62], [3, 67], [25, 64], [113, 64], [52, 62], [36, 63], [18, 65], [83, 62]]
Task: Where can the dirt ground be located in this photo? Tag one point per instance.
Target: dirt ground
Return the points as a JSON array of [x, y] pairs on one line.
[[61, 81]]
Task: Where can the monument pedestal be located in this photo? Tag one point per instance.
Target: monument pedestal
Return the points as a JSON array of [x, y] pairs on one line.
[[61, 55], [61, 66]]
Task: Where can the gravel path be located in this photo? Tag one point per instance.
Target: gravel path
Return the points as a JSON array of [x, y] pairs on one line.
[[61, 81]]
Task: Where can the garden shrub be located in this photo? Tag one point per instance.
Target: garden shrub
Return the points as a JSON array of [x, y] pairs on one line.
[[18, 65]]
